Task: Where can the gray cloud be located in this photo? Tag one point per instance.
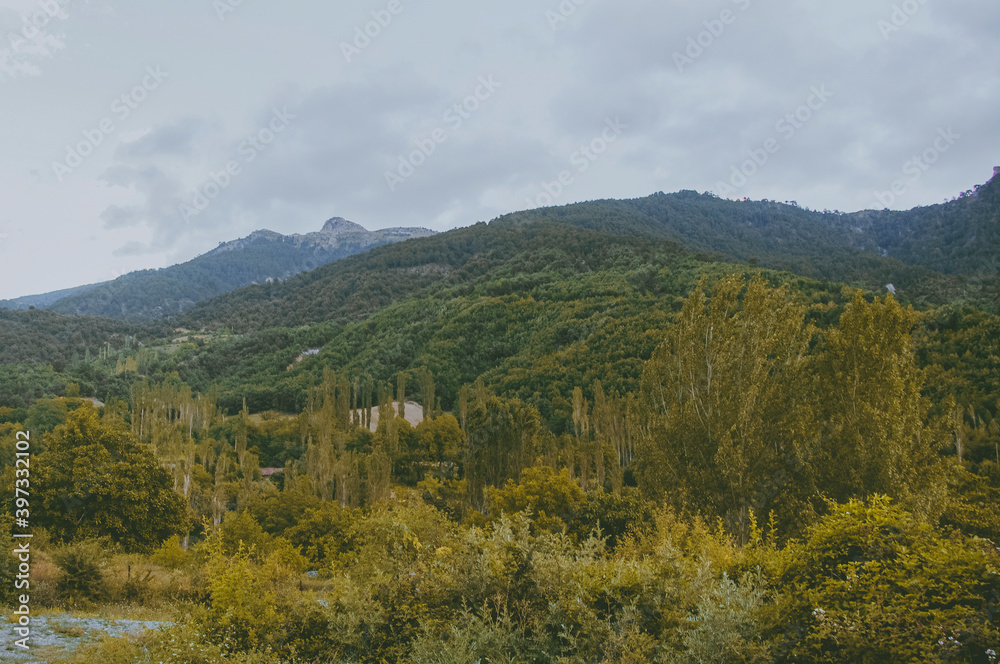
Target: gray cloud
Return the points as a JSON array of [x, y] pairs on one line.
[[687, 126]]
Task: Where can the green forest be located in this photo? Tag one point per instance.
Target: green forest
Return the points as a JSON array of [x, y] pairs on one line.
[[615, 432]]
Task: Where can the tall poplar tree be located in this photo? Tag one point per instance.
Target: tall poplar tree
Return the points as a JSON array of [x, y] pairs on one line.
[[876, 439], [729, 423]]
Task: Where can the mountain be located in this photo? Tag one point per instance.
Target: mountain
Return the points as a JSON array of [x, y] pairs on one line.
[[258, 258], [961, 236], [45, 299], [931, 255], [538, 302]]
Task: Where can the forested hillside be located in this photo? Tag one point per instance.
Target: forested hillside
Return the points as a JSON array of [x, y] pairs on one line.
[[44, 300], [754, 470], [625, 450], [958, 237], [823, 246], [48, 338]]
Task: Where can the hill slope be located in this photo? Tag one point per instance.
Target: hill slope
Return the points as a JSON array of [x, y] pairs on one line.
[[827, 246], [48, 338], [262, 256], [44, 300]]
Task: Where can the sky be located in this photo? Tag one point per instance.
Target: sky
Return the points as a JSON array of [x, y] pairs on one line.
[[140, 134]]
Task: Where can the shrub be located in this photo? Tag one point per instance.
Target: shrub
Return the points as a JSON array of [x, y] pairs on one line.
[[242, 614], [171, 555], [240, 531], [81, 578], [870, 583], [551, 499], [618, 517]]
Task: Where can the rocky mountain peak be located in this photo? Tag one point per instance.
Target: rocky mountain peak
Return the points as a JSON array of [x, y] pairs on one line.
[[339, 225]]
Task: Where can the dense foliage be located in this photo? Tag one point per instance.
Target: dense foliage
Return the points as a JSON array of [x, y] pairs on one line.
[[557, 438], [47, 338], [95, 480], [780, 236]]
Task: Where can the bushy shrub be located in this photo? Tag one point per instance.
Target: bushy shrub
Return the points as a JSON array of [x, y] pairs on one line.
[[871, 583], [617, 516], [726, 626], [240, 531], [81, 578], [243, 615], [323, 535], [552, 499], [170, 554]]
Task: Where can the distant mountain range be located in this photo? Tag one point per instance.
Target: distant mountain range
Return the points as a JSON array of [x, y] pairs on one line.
[[263, 256], [578, 292], [44, 300]]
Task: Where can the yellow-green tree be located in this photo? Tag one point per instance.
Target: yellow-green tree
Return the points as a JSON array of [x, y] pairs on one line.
[[500, 444], [729, 422], [552, 499], [97, 480], [870, 583], [875, 435]]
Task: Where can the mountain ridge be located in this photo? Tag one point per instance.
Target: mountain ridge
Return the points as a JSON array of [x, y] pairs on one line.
[[260, 257], [785, 237]]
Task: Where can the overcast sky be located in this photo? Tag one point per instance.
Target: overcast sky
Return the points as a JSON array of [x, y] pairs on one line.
[[120, 119]]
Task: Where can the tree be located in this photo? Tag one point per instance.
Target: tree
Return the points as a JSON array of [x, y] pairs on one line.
[[427, 392], [873, 410], [440, 438], [401, 393], [728, 421], [552, 500], [501, 436], [97, 480]]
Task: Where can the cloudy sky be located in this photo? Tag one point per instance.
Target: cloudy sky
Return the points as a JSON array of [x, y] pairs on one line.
[[140, 134]]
